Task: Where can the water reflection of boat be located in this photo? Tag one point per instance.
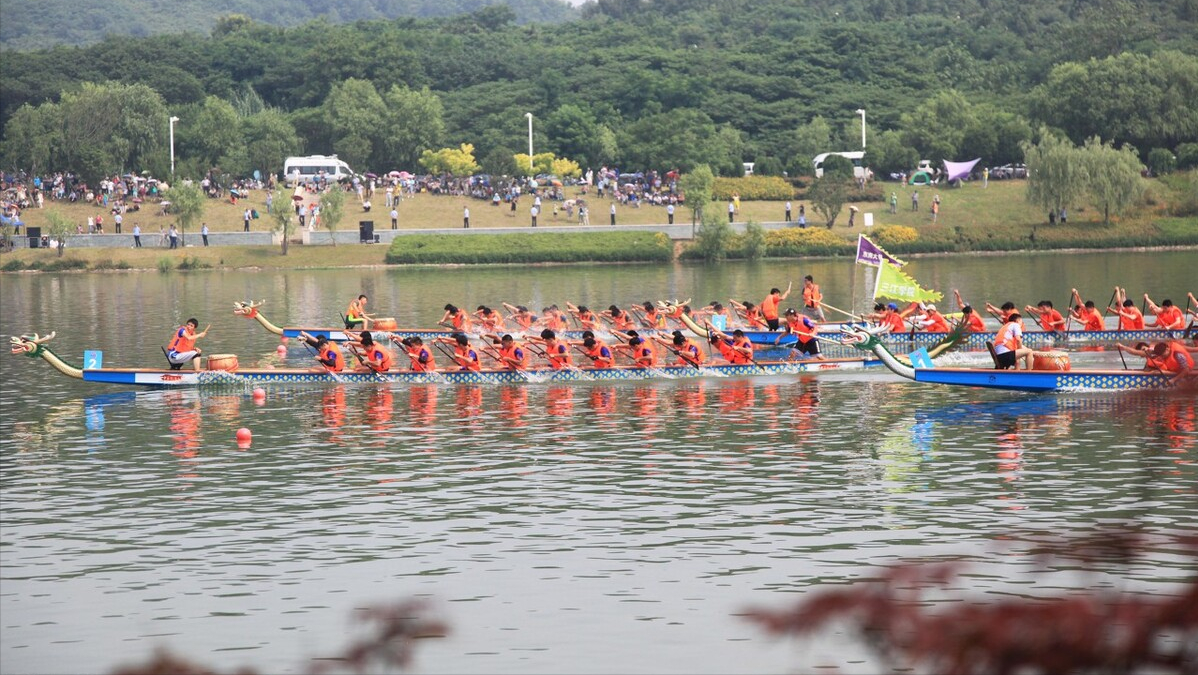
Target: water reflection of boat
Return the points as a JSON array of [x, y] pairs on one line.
[[35, 347]]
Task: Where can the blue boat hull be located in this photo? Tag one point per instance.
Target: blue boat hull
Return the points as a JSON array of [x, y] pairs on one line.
[[1045, 380]]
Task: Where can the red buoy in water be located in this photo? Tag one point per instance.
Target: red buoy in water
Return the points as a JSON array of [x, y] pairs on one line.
[[282, 350], [259, 393], [244, 435]]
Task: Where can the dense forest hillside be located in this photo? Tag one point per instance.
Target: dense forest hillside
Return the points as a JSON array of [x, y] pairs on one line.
[[35, 25], [660, 84]]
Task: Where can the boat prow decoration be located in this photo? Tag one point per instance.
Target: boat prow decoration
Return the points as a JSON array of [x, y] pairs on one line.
[[868, 339], [35, 347], [249, 309]]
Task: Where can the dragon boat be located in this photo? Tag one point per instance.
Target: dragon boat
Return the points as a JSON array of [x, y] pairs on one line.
[[223, 370], [249, 310], [1056, 375]]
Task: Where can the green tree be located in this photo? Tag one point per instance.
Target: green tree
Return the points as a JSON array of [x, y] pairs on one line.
[[1056, 172], [58, 227], [1113, 177], [937, 128], [412, 124], [713, 237], [1161, 162], [574, 132], [187, 203], [697, 185], [283, 220], [811, 139], [31, 135], [110, 128], [332, 208], [827, 196], [353, 112], [269, 140], [888, 154], [500, 162], [754, 240], [1187, 156], [210, 138]]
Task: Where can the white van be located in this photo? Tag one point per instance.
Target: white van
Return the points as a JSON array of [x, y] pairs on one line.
[[306, 169], [856, 158]]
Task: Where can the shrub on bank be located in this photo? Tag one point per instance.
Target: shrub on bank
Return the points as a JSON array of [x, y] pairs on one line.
[[753, 188], [443, 249]]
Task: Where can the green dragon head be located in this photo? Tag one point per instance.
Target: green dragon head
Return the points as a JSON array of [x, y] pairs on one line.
[[29, 346], [864, 338]]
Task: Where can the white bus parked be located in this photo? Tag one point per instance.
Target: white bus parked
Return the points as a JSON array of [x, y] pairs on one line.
[[307, 169], [856, 157]]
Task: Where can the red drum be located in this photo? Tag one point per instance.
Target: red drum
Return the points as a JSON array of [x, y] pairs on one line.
[[223, 362], [384, 323], [1050, 361]]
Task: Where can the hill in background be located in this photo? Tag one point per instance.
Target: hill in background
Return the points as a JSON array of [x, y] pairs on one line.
[[26, 25]]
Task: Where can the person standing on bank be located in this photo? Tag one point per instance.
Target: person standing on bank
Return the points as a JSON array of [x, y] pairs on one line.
[[465, 217], [394, 218], [533, 212], [802, 216], [788, 212], [245, 219], [174, 236], [204, 233], [613, 213], [670, 213], [731, 211], [136, 235]]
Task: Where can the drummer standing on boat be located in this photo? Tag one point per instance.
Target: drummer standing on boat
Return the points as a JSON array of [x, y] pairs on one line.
[[769, 306], [812, 299]]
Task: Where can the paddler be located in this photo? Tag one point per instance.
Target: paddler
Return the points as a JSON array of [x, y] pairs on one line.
[[735, 349], [1087, 313], [620, 319], [769, 306], [328, 354], [463, 354], [356, 316], [688, 352], [1050, 319], [491, 320], [551, 319], [182, 346], [973, 321], [556, 352], [520, 315], [421, 356], [599, 353], [511, 354], [652, 318], [892, 320], [804, 328], [1130, 317], [1167, 357], [813, 299], [586, 318], [931, 321], [750, 313], [373, 357], [642, 354], [1168, 315], [458, 319]]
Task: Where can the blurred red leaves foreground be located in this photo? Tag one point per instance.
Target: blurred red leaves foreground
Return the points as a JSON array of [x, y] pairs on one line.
[[1090, 631], [390, 646]]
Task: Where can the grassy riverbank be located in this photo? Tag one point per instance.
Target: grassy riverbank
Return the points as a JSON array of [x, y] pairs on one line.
[[972, 218]]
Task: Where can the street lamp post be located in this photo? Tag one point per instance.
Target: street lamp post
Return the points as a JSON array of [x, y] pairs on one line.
[[172, 125], [530, 165], [861, 112]]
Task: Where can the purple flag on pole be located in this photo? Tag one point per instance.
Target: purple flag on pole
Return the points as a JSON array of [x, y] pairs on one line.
[[869, 253]]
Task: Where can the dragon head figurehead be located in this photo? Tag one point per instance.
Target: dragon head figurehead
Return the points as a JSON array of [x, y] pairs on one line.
[[864, 338], [670, 306], [248, 308], [29, 346]]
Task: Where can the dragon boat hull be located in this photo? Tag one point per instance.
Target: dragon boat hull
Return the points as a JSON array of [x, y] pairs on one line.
[[1046, 381], [1039, 339]]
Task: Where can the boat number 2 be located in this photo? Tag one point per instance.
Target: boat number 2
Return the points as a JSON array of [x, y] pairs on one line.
[[93, 359]]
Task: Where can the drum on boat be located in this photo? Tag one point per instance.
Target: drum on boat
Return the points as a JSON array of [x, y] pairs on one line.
[[223, 362], [1050, 361], [384, 323]]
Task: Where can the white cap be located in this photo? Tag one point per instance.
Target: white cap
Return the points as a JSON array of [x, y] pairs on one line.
[[930, 307]]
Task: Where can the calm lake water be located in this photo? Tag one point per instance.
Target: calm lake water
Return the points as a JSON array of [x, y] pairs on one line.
[[588, 528]]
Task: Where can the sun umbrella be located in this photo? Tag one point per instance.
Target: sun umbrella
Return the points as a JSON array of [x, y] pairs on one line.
[[404, 175], [137, 200], [555, 182], [394, 174], [297, 198], [372, 175]]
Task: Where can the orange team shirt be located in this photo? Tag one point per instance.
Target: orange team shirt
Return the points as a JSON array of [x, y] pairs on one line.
[[939, 323], [1133, 322], [812, 296], [1169, 317], [1092, 319], [894, 321], [1049, 318], [769, 307], [975, 323]]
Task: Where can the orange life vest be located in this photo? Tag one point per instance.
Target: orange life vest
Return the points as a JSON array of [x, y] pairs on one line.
[[1133, 322], [975, 323], [811, 296], [802, 327], [1170, 318], [461, 322], [183, 340], [1006, 337], [558, 355], [769, 307], [753, 318], [422, 359], [513, 356], [1177, 360], [587, 319], [382, 356], [690, 353], [468, 357], [623, 322], [330, 352], [600, 355]]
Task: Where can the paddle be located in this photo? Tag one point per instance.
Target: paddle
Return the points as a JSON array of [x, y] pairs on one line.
[[837, 309], [353, 350], [686, 359]]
